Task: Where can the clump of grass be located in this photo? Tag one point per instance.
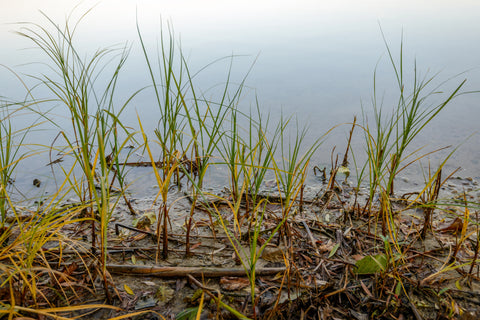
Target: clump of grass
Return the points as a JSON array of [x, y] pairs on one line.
[[171, 94], [12, 151], [388, 140], [256, 160], [9, 159], [28, 267], [249, 161], [189, 125], [290, 171], [93, 139]]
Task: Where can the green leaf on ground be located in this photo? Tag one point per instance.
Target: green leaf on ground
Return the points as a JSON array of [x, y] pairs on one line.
[[371, 264], [188, 314], [334, 250]]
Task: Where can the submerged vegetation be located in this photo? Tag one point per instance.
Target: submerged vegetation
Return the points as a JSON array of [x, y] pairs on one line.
[[280, 248]]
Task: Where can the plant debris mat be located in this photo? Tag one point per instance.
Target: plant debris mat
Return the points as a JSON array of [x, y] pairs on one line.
[[329, 260]]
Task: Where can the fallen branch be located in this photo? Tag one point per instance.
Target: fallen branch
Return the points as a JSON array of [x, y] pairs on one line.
[[170, 272]]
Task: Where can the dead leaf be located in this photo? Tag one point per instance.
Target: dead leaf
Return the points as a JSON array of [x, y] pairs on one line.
[[273, 254], [454, 227], [128, 289], [308, 259], [67, 272], [139, 237], [234, 283], [195, 246], [327, 247], [364, 287], [357, 257]]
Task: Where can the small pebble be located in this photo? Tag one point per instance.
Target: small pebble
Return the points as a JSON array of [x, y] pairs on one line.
[[37, 183], [405, 179]]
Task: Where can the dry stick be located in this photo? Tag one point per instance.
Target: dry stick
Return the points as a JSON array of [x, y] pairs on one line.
[[345, 164], [417, 314], [188, 222], [477, 247], [394, 165], [301, 198], [150, 233], [129, 205], [118, 225], [165, 231], [322, 171], [345, 157], [464, 229], [433, 196], [310, 235], [333, 173], [108, 160], [170, 272]]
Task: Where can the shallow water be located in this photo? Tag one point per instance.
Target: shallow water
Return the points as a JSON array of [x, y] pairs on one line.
[[315, 59]]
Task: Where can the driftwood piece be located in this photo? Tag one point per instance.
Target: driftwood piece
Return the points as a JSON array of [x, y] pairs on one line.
[[170, 272]]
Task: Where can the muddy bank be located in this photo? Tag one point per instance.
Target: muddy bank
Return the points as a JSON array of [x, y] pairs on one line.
[[330, 259]]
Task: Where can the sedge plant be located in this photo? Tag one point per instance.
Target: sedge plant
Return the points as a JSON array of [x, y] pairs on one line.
[[164, 180], [93, 136], [290, 170], [253, 159], [248, 259], [190, 124], [206, 129], [10, 155], [388, 140], [169, 91], [256, 160], [27, 257]]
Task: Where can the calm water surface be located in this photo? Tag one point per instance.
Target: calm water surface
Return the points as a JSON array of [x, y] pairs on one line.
[[312, 58]]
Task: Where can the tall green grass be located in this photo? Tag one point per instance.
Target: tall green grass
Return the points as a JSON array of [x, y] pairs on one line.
[[10, 155], [191, 127], [388, 139], [86, 88]]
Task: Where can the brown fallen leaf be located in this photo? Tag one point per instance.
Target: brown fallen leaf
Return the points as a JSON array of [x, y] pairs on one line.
[[357, 257], [308, 259], [364, 287], [454, 227], [327, 247], [234, 283], [67, 272], [139, 237], [273, 254], [195, 246]]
